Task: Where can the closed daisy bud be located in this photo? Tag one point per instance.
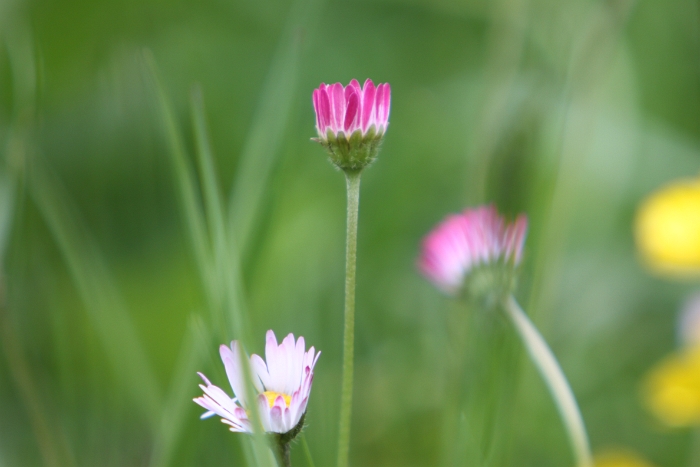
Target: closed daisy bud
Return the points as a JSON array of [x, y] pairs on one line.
[[475, 252], [351, 121]]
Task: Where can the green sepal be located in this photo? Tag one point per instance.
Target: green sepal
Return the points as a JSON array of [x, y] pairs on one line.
[[487, 285], [353, 153]]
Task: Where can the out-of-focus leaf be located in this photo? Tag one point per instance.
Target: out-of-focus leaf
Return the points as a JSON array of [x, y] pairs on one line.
[[102, 300]]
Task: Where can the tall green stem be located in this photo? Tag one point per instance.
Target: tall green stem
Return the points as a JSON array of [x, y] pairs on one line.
[[353, 188], [553, 376]]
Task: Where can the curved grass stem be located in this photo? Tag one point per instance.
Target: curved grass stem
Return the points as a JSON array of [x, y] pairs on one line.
[[554, 378]]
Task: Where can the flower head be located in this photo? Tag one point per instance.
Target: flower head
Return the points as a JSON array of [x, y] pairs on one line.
[[667, 229], [620, 458], [672, 388], [351, 121], [475, 250], [283, 385]]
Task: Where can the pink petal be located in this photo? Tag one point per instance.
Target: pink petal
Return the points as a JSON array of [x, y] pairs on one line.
[[368, 96], [337, 96], [324, 105], [354, 84], [279, 402], [382, 100], [353, 108], [387, 103], [317, 108]]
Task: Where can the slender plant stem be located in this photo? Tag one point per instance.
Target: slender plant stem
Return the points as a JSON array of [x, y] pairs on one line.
[[285, 453], [553, 376], [353, 186]]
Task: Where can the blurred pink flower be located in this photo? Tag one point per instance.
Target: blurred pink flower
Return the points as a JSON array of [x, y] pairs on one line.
[[464, 242], [351, 108], [283, 384]]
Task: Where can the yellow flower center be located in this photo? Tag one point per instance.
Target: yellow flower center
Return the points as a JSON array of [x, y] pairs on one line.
[[272, 397]]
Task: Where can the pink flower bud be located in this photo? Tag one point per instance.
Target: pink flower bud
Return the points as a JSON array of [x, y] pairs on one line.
[[351, 121]]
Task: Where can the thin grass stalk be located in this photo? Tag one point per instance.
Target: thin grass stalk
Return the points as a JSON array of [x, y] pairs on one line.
[[53, 452], [270, 121], [104, 305], [214, 210], [227, 267], [212, 280], [554, 378], [53, 445], [192, 351], [187, 186], [353, 193]]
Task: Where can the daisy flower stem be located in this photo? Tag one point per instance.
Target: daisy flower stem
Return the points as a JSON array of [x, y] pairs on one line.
[[285, 453], [553, 376], [353, 188]]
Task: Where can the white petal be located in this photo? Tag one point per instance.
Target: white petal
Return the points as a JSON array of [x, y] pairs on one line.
[[273, 362], [298, 364], [260, 369], [287, 420], [264, 410], [276, 423], [231, 356], [286, 353]]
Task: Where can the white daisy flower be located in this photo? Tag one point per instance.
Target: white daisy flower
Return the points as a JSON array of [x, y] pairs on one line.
[[283, 383]]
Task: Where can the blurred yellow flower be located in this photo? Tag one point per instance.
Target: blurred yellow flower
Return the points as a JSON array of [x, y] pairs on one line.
[[667, 228], [672, 389], [620, 458]]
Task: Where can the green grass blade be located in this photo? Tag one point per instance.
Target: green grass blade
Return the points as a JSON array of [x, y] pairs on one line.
[[187, 186], [227, 265], [8, 188], [51, 445], [97, 290], [193, 351], [223, 264], [270, 121], [307, 451]]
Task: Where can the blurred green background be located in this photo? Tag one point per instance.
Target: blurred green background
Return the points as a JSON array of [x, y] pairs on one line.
[[112, 291]]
